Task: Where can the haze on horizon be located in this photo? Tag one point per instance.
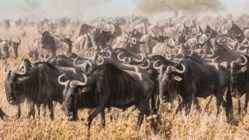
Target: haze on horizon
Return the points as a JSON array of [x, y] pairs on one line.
[[35, 9]]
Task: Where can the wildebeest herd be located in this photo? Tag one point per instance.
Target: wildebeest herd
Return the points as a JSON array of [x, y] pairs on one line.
[[123, 62]]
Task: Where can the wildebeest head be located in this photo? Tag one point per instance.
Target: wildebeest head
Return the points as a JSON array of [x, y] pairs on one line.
[[166, 79], [236, 33], [72, 90], [13, 82], [239, 66]]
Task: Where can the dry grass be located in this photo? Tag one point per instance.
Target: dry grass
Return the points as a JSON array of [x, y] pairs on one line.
[[195, 126]]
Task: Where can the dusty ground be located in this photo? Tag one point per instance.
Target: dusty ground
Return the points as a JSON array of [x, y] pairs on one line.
[[195, 126]]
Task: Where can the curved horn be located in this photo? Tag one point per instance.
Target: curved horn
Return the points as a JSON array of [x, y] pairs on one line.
[[245, 60], [139, 60], [6, 68], [179, 71], [61, 82], [79, 83], [119, 58], [101, 60], [158, 68], [75, 62], [212, 53]]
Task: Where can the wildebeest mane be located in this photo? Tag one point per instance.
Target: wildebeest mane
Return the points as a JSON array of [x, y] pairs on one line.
[[48, 64], [112, 79], [194, 58], [162, 59]]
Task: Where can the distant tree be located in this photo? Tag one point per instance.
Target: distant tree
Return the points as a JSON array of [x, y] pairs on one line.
[[189, 6]]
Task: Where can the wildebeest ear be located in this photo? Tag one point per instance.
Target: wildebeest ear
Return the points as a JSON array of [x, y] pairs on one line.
[[177, 78], [243, 69], [224, 64]]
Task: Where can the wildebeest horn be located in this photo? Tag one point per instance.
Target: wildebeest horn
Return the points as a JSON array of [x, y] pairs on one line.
[[6, 68], [179, 71], [139, 60], [75, 62], [245, 60], [211, 55], [101, 60], [61, 82], [79, 83], [119, 57], [159, 68]]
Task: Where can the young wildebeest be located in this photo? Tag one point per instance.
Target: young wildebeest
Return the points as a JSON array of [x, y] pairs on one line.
[[37, 83], [106, 86]]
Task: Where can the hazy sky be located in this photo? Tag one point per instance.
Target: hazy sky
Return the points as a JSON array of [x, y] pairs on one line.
[[88, 8]]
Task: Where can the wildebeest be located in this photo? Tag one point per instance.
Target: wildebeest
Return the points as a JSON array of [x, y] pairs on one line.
[[4, 49], [37, 83], [239, 80], [14, 47], [105, 86], [9, 48], [193, 78], [48, 43]]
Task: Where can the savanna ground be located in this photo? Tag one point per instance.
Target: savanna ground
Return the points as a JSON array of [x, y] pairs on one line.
[[196, 126]]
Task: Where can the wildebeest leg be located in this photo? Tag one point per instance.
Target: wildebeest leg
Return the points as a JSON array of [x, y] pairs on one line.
[[246, 101], [2, 114], [140, 120], [38, 109], [31, 110], [103, 119], [179, 107], [143, 108], [99, 109], [229, 104], [51, 109], [18, 114], [207, 105], [197, 105], [219, 99], [153, 104], [187, 101], [239, 106]]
